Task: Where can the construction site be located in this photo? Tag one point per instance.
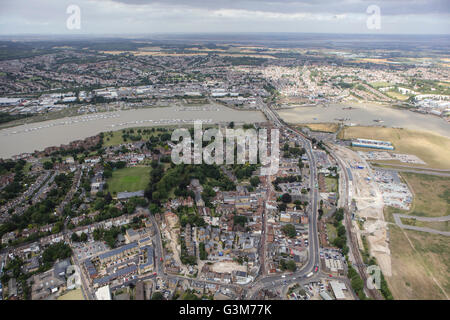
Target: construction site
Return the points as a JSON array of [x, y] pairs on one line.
[[366, 198]]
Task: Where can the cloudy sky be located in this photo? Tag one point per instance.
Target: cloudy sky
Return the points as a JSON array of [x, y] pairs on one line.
[[165, 16]]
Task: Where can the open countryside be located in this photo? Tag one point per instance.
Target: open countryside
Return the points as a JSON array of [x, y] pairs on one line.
[[421, 260]]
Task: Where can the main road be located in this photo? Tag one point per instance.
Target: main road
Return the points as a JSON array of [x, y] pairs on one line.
[[314, 246], [266, 281]]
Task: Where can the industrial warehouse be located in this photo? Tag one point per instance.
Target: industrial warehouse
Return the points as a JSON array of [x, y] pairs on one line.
[[375, 144]]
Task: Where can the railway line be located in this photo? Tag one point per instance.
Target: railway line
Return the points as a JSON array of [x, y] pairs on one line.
[[352, 240]]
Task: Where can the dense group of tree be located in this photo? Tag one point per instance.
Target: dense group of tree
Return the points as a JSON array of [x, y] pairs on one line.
[[53, 252], [240, 220], [184, 256], [178, 177], [244, 171], [14, 269], [341, 239], [289, 230], [292, 151], [108, 210], [287, 265], [189, 216], [16, 187], [41, 213], [287, 179], [7, 117], [109, 236]]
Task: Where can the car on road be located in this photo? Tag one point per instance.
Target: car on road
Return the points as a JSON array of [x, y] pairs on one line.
[[316, 268], [283, 276]]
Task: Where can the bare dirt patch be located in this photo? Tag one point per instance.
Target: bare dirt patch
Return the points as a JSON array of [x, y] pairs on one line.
[[227, 267]]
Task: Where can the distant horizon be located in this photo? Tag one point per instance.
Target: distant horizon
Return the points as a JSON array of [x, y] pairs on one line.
[[172, 33]]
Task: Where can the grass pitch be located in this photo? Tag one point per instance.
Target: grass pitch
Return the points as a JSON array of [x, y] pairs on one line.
[[129, 179]]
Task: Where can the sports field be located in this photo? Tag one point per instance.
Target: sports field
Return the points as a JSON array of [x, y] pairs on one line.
[[129, 179]]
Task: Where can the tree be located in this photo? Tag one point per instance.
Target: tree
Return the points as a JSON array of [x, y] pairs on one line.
[[75, 237], [341, 230], [339, 215], [301, 165], [289, 230], [189, 295], [48, 165], [154, 164], [157, 296], [320, 213], [56, 251], [242, 220], [83, 237], [286, 198], [254, 181], [291, 266], [108, 198], [203, 253], [282, 207], [340, 241], [154, 208]]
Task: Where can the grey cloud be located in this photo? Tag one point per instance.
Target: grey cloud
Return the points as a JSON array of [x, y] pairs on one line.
[[388, 7], [143, 16]]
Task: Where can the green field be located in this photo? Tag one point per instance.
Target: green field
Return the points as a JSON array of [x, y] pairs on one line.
[[114, 138], [129, 179], [332, 184], [380, 84], [321, 127], [431, 194], [436, 225], [331, 232], [431, 197], [397, 95], [72, 295], [420, 260], [420, 265]]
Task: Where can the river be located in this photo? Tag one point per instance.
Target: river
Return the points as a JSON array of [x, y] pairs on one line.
[[37, 136], [365, 114]]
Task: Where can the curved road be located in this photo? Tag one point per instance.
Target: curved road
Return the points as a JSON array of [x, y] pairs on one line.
[[398, 221]]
